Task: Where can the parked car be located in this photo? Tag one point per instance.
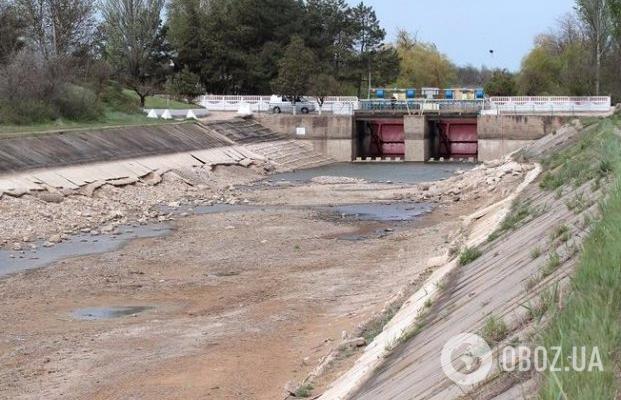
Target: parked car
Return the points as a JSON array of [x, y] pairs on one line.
[[285, 104]]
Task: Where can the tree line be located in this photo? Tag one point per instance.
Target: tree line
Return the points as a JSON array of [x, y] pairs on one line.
[[580, 56], [76, 58], [76, 49]]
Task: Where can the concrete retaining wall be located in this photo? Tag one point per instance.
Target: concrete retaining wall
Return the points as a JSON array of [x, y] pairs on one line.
[[503, 134], [330, 134]]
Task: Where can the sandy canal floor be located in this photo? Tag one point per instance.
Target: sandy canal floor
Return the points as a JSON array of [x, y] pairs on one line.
[[235, 304]]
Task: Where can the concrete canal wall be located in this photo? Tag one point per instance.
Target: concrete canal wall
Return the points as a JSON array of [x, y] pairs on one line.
[[330, 135], [502, 134]]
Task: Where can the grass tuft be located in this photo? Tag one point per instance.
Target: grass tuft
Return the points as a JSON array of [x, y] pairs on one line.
[[494, 330], [468, 255], [376, 326], [561, 232], [304, 391], [553, 262], [548, 300], [520, 212]]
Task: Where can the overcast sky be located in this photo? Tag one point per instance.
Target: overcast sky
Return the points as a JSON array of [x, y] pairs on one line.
[[466, 30]]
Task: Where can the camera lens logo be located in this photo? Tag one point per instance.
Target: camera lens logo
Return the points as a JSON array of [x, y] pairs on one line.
[[466, 359]]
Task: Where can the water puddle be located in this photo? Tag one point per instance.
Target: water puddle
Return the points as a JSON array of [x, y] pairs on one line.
[[385, 212], [410, 173], [97, 313], [78, 245], [86, 244]]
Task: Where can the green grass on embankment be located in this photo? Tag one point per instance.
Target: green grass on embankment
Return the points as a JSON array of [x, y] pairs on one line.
[[109, 119], [161, 102], [116, 107], [591, 314]]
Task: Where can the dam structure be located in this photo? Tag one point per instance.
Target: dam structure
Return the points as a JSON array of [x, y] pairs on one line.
[[421, 130]]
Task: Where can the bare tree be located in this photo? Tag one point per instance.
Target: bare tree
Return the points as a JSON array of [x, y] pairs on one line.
[[58, 27], [406, 40], [135, 43], [596, 16]]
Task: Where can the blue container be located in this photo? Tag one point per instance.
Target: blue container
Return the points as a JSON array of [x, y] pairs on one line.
[[379, 93], [479, 94], [448, 94], [410, 93]]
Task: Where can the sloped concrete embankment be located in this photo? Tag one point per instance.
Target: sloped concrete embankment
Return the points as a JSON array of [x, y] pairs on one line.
[[535, 237], [476, 228], [71, 148], [87, 160]]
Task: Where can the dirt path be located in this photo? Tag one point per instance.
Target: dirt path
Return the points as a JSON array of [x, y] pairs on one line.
[[240, 302]]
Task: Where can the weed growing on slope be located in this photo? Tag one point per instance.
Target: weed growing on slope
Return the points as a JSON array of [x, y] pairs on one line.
[[468, 255], [551, 264], [531, 282], [520, 213], [494, 330], [548, 300], [304, 390], [578, 203], [561, 232], [377, 325]]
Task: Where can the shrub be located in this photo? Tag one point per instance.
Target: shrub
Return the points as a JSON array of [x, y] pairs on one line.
[[77, 103], [34, 90], [26, 112]]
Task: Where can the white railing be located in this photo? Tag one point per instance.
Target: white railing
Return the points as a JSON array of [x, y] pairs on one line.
[[349, 104], [550, 104], [333, 104], [421, 105]]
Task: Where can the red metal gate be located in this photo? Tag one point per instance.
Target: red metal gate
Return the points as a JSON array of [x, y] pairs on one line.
[[458, 138], [388, 137]]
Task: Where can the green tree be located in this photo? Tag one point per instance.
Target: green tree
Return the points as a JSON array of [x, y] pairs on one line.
[[501, 83], [186, 34], [185, 84], [234, 46], [330, 33], [385, 66], [368, 40], [295, 69], [540, 72], [560, 63], [323, 85], [422, 64], [135, 43]]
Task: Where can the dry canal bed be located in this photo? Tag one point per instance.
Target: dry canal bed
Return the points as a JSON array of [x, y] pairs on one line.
[[224, 305]]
